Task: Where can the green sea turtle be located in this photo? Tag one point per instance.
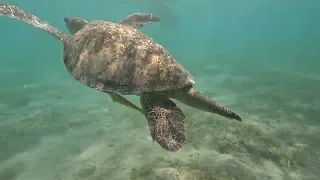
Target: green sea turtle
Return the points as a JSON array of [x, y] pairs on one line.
[[117, 58]]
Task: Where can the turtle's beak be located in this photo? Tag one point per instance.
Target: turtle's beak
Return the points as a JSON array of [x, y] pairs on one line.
[[66, 19]]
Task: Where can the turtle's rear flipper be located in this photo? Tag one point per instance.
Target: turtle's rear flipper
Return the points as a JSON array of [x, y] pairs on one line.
[[166, 121], [137, 20], [121, 100]]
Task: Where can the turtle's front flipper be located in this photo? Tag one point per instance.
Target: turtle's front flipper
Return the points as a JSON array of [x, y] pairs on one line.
[[137, 20], [121, 100], [166, 121], [19, 14]]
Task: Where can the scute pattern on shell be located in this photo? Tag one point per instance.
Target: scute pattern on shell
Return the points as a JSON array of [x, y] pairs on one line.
[[116, 58]]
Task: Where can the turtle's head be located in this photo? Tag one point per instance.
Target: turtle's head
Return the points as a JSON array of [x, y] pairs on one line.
[[75, 24]]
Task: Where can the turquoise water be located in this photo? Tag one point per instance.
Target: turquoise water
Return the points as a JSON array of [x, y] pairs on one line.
[[258, 58]]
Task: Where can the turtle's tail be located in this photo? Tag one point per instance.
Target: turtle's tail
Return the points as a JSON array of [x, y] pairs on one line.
[[16, 13]]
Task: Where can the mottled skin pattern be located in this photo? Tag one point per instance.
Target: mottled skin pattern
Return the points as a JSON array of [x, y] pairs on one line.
[[166, 121], [119, 59], [19, 14], [75, 25]]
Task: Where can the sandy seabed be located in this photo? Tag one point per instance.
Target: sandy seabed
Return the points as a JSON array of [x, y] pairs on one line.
[[61, 130]]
